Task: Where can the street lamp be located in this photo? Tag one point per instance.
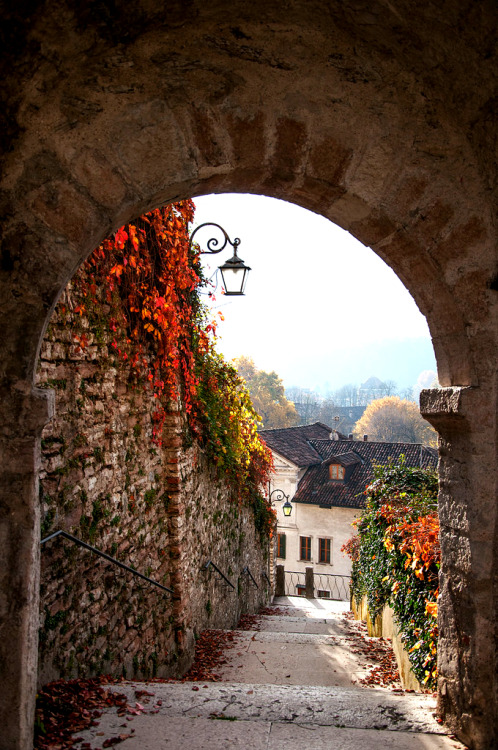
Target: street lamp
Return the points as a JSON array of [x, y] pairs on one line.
[[286, 507], [233, 272]]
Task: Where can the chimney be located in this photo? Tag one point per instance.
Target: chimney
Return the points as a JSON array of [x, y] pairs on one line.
[[365, 438], [350, 436]]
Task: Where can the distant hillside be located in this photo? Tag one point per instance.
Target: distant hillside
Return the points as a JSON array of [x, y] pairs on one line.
[[401, 361]]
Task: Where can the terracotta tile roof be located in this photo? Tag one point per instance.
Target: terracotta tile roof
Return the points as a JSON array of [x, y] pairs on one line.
[[316, 488], [293, 443]]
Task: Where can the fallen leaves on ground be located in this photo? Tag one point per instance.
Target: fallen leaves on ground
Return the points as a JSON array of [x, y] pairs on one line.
[[249, 622], [209, 654], [379, 655], [66, 707], [274, 612]]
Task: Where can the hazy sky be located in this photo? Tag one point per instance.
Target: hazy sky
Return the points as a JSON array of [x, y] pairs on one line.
[[320, 308]]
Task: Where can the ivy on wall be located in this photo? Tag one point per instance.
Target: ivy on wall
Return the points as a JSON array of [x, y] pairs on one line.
[[139, 290], [396, 559]]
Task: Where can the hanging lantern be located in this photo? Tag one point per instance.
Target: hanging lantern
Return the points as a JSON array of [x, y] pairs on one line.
[[234, 272]]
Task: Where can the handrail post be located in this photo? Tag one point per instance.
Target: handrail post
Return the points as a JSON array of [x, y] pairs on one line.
[[280, 581], [309, 583], [211, 564]]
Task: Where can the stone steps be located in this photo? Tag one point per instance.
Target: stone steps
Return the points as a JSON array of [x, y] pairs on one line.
[[226, 715], [277, 692]]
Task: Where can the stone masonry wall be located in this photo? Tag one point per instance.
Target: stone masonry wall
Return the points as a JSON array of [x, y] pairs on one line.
[[161, 510]]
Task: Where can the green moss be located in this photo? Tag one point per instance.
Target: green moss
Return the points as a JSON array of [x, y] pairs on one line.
[[60, 384], [98, 454], [52, 621], [165, 499], [53, 440], [47, 522]]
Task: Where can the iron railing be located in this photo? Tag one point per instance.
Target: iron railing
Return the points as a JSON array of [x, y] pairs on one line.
[[295, 583], [210, 564], [248, 572], [107, 557], [330, 586], [325, 585]]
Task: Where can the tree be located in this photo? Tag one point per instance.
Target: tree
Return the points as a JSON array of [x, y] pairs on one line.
[[328, 414], [267, 395], [347, 395], [307, 403], [393, 420]]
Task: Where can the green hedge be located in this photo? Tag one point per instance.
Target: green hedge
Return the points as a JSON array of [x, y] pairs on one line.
[[396, 559]]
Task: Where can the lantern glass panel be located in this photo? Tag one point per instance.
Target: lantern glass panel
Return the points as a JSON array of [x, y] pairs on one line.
[[234, 278], [287, 508]]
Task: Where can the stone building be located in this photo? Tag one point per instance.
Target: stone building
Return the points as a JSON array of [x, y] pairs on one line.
[[325, 479], [381, 117]]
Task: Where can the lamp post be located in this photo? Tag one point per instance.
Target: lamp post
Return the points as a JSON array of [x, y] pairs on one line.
[[234, 272], [280, 495]]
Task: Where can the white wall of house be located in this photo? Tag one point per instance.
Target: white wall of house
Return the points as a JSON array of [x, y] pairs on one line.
[[317, 523], [314, 522]]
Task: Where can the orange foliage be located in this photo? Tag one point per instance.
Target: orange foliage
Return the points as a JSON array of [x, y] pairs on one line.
[[148, 266]]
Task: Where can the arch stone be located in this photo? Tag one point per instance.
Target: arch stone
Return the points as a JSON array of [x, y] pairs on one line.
[[372, 116]]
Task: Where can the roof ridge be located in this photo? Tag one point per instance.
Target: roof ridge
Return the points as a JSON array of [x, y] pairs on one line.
[[314, 451], [372, 442], [298, 427]]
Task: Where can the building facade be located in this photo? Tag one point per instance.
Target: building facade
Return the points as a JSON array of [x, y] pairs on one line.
[[324, 477]]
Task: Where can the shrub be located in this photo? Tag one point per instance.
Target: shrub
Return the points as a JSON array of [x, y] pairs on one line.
[[396, 558]]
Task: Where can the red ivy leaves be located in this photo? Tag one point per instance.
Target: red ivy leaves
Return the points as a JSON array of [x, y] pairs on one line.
[[147, 275], [143, 284]]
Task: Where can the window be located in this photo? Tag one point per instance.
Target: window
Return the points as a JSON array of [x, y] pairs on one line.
[[324, 551], [336, 471], [305, 547], [281, 546], [300, 590], [321, 594]]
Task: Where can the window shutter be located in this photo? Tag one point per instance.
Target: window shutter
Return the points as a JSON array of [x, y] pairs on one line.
[[281, 539]]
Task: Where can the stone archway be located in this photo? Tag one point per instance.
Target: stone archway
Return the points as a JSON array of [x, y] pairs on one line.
[[345, 110]]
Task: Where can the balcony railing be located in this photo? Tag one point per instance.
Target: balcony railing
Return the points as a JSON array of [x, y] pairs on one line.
[[311, 584]]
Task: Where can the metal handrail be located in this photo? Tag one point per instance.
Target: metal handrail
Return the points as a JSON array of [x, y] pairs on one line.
[[105, 556], [211, 564], [264, 575], [246, 570]]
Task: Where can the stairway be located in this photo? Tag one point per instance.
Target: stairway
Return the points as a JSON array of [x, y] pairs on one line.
[[291, 681]]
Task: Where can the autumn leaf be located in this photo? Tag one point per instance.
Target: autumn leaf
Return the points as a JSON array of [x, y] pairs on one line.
[[431, 608]]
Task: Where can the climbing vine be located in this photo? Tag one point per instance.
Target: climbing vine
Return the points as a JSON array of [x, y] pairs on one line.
[[396, 558], [139, 291]]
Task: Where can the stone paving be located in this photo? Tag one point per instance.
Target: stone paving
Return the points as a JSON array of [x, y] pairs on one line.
[[289, 684]]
